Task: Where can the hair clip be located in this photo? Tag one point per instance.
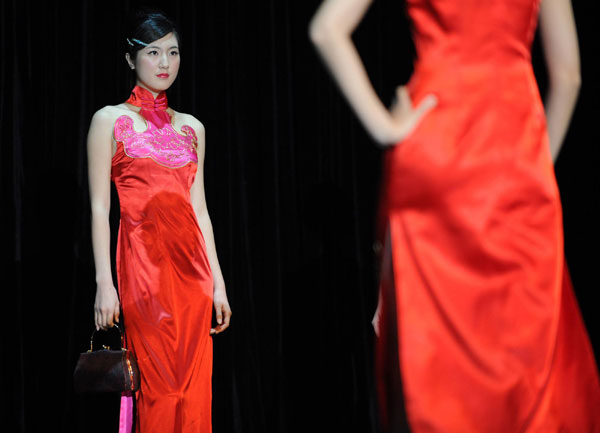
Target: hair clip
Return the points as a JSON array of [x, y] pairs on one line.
[[137, 41]]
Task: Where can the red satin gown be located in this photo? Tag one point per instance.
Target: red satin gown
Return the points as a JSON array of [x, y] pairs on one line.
[[479, 320], [164, 278]]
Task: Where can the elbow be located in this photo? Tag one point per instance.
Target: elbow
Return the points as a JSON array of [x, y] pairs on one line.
[[315, 32], [319, 31], [576, 80], [572, 79]]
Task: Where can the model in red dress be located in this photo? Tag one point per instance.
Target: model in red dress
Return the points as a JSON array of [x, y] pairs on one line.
[[485, 333], [168, 272], [164, 278]]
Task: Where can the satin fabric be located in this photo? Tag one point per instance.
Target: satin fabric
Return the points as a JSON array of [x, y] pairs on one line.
[[478, 318], [164, 278]]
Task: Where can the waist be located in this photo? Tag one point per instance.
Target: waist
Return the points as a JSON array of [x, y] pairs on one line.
[[456, 77]]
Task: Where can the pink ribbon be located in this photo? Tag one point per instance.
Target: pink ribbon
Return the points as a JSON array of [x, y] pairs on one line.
[[126, 415]]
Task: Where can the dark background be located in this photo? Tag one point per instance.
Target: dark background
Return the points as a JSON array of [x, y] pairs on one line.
[[291, 183]]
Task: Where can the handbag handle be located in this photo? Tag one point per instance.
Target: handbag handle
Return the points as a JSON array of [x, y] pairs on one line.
[[106, 347]]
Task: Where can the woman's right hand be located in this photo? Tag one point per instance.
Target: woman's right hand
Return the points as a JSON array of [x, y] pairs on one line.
[[106, 307]]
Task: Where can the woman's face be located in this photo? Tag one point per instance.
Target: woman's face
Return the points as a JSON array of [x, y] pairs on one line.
[[157, 64]]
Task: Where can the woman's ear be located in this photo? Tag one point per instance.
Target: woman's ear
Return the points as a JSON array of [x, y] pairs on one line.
[[129, 61]]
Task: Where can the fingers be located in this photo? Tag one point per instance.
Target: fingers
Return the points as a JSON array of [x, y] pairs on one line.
[[101, 319], [110, 316], [218, 309], [405, 104], [223, 314], [227, 317], [408, 117], [113, 316], [426, 105], [105, 317], [429, 102], [405, 116]]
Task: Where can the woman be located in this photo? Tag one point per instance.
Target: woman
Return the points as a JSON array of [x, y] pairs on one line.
[[477, 319], [167, 267]]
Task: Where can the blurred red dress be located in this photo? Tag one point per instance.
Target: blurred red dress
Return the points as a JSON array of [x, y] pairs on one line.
[[164, 278], [478, 317]]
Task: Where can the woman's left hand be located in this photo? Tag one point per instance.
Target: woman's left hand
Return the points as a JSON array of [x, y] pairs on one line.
[[406, 117], [222, 310]]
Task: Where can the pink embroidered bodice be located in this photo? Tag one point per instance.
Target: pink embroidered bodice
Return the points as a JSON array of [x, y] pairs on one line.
[[160, 141], [153, 170]]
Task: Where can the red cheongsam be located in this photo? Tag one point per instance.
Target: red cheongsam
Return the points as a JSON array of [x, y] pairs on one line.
[[479, 323], [164, 279]]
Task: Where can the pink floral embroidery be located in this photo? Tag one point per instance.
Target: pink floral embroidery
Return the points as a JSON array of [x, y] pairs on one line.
[[164, 146]]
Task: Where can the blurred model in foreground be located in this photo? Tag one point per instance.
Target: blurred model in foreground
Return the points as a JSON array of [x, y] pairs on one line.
[[478, 327]]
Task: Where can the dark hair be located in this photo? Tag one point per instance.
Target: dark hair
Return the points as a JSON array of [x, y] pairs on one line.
[[146, 25]]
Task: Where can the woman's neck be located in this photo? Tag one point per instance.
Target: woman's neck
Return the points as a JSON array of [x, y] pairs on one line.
[[154, 92]]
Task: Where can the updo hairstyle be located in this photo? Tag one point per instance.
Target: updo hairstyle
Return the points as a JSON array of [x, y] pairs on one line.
[[146, 25]]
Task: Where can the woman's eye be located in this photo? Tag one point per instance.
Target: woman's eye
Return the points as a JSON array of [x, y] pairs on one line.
[[153, 52], [174, 53]]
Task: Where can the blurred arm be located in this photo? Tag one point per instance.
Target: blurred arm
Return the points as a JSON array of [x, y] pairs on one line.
[[561, 50], [330, 30]]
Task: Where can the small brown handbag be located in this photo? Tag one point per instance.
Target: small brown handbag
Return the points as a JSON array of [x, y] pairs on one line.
[[106, 370]]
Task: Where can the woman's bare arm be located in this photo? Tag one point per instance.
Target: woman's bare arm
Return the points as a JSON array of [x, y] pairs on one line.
[[561, 49], [99, 149], [198, 198], [330, 30]]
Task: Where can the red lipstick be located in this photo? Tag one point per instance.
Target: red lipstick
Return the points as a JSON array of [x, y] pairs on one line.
[[163, 75]]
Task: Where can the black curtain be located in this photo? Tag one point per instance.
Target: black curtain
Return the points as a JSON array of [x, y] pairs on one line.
[[291, 184]]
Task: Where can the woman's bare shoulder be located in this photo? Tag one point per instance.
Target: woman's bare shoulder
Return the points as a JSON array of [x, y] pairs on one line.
[[110, 113], [188, 119]]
